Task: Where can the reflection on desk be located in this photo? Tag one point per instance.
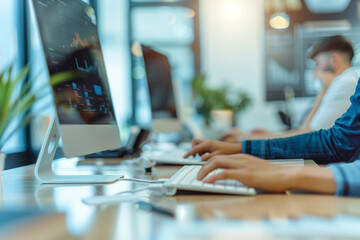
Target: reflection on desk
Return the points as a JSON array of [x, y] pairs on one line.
[[313, 228], [34, 225], [196, 214]]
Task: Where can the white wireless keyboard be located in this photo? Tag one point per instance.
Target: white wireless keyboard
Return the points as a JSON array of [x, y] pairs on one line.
[[175, 157], [185, 179]]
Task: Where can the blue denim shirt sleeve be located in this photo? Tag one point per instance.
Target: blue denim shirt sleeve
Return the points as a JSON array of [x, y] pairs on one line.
[[347, 178], [337, 144]]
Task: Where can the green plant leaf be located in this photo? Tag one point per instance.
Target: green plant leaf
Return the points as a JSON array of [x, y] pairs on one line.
[[20, 107], [27, 87], [6, 77], [208, 99], [12, 84], [2, 93], [22, 124], [63, 77], [14, 104]]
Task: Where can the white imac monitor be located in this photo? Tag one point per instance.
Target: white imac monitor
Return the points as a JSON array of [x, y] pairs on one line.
[[84, 112], [162, 97]]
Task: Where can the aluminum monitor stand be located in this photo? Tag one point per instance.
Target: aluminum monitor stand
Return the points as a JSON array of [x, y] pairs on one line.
[[43, 169]]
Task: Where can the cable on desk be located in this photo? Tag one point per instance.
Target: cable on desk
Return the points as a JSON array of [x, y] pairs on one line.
[[150, 187], [99, 200], [133, 191], [143, 180]]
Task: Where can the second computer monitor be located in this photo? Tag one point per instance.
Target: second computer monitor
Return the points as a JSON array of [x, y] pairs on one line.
[[162, 96]]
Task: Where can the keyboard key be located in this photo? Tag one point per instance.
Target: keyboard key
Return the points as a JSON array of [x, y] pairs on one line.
[[189, 178], [221, 182], [197, 183], [182, 175], [185, 179]]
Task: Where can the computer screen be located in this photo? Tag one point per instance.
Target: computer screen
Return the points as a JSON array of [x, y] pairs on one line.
[[158, 73], [85, 114], [69, 35]]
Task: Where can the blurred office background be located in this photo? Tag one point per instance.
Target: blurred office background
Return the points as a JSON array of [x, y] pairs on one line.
[[258, 46]]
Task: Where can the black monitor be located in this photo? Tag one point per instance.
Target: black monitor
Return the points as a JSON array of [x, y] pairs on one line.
[[68, 31], [161, 91], [85, 115]]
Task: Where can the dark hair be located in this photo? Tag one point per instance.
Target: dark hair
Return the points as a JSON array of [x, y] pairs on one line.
[[334, 43]]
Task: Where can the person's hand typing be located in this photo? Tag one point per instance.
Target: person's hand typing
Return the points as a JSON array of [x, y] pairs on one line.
[[210, 148], [261, 174], [249, 170]]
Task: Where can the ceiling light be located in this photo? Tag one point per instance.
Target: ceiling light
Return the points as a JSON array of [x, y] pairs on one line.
[[136, 49], [279, 21]]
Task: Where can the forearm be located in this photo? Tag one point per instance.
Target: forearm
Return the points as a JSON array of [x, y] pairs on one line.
[[284, 134], [309, 146], [324, 147], [314, 179]]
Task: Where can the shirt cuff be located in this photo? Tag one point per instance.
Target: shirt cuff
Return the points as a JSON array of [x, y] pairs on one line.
[[255, 147], [339, 179], [246, 146]]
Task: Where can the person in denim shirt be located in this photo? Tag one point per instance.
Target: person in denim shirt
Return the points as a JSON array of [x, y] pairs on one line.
[[338, 146]]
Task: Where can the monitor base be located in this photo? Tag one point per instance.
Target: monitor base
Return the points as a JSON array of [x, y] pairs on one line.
[[43, 169], [79, 179]]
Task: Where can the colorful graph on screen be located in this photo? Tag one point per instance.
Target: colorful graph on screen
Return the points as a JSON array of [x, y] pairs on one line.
[[78, 42], [71, 43], [86, 67]]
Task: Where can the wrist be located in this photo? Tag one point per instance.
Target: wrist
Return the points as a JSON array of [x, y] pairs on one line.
[[234, 148], [314, 179], [293, 177], [239, 147]]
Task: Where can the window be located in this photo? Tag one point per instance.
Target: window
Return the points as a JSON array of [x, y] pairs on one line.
[[114, 35], [10, 53], [171, 28], [8, 45], [171, 31]]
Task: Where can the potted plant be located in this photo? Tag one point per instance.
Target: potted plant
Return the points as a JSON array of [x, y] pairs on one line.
[[16, 99], [224, 98]]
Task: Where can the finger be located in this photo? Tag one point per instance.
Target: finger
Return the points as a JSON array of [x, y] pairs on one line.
[[207, 168], [239, 158], [206, 157], [244, 158], [225, 136], [232, 139], [224, 175], [228, 133], [197, 141], [218, 162], [198, 149]]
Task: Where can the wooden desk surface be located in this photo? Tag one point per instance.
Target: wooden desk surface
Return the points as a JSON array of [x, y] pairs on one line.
[[125, 221]]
